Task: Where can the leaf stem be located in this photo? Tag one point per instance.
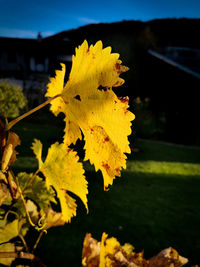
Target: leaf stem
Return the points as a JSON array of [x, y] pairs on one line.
[[24, 242], [23, 255], [24, 203], [13, 122], [13, 194], [38, 239]]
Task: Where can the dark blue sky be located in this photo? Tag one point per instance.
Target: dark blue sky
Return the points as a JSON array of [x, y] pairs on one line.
[[24, 18]]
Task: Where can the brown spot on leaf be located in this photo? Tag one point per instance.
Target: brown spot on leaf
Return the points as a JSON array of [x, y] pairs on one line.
[[118, 68], [117, 170], [105, 166], [124, 99], [106, 139], [66, 102], [78, 97]]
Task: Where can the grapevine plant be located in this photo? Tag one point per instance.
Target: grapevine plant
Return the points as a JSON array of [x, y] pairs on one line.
[[93, 112]]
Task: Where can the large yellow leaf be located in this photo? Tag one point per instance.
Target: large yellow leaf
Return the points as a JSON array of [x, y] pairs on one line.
[[90, 106], [63, 171]]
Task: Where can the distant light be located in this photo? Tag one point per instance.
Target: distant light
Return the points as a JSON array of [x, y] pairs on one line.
[[65, 58]]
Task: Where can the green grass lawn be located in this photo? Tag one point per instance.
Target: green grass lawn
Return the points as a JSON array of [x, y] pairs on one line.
[[154, 205]]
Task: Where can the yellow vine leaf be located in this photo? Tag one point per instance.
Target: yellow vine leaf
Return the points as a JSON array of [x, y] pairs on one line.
[[90, 106], [63, 171], [53, 218], [37, 149], [9, 231]]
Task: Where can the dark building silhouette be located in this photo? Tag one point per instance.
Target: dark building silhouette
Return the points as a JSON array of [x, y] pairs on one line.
[[163, 56], [30, 62]]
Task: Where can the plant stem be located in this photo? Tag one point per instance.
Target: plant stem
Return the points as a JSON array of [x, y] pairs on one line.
[[12, 191], [24, 242], [13, 122], [24, 203], [22, 255], [38, 239]]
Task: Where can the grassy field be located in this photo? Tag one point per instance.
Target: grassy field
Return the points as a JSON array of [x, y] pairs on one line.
[[154, 205]]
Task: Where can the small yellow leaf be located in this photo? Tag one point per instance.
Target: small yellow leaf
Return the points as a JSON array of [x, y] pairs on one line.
[[32, 209], [90, 106], [53, 219], [63, 171], [9, 231], [9, 154], [37, 149], [103, 250]]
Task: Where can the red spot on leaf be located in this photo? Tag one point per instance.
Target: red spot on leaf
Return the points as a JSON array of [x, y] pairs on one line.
[[105, 166], [117, 170], [124, 99], [106, 139], [118, 68]]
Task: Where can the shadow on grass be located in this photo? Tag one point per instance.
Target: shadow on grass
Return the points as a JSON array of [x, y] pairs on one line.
[[152, 150], [150, 211]]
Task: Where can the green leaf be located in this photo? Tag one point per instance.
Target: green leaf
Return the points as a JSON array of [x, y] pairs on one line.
[[37, 190]]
